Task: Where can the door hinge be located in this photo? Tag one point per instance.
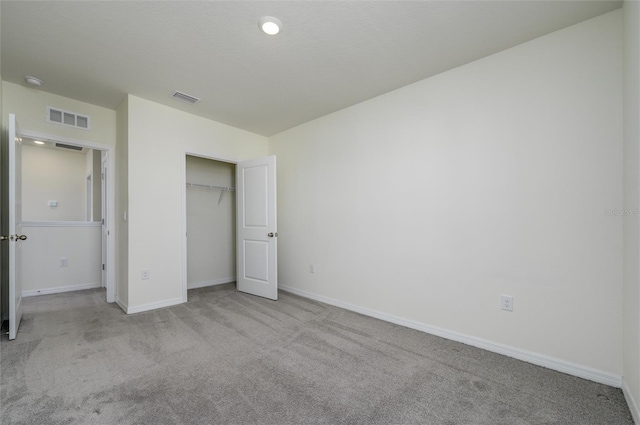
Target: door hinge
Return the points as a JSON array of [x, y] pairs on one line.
[[103, 221], [102, 176], [103, 267]]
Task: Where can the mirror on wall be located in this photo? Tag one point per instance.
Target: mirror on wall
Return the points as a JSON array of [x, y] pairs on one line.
[[60, 182]]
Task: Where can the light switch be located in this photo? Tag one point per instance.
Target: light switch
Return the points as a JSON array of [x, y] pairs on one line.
[[52, 204]]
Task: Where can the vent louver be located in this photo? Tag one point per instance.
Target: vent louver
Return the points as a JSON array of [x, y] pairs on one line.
[[71, 147], [187, 98], [68, 118]]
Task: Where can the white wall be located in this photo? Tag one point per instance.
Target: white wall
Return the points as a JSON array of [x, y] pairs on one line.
[[157, 139], [97, 185], [429, 202], [79, 244], [122, 206], [53, 174], [93, 168], [631, 352], [30, 106], [211, 226]]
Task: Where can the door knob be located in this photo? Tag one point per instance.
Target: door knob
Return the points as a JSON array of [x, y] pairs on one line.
[[4, 238], [272, 234], [21, 237]]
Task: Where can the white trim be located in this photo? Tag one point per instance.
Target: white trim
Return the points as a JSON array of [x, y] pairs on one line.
[[183, 223], [66, 140], [211, 282], [109, 154], [60, 289], [61, 224], [153, 306], [202, 154], [121, 304], [633, 406], [516, 353]]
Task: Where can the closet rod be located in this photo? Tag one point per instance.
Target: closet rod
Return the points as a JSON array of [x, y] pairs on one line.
[[208, 186]]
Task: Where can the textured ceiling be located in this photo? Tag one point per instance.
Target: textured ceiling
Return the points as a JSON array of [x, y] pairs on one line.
[[329, 55]]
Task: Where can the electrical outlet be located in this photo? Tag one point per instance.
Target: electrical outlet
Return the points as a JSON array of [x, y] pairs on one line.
[[506, 302], [312, 268], [145, 274], [64, 262]]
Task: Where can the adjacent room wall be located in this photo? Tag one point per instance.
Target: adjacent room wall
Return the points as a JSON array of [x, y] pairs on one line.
[[503, 176], [631, 212], [96, 179], [57, 233], [157, 139], [53, 174], [79, 244], [211, 223]]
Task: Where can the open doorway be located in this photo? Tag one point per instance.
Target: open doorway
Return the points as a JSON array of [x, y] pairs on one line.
[[67, 204], [210, 211]]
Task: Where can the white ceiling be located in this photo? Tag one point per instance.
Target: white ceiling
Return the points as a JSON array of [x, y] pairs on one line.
[[329, 55]]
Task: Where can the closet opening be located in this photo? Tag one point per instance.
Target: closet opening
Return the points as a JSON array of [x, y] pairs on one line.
[[210, 213]]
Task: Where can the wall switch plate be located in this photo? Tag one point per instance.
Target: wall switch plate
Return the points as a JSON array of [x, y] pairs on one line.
[[312, 268], [145, 274], [506, 302], [64, 262]]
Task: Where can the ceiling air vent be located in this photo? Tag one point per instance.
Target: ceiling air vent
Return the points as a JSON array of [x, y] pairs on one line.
[[187, 98], [70, 119], [73, 148]]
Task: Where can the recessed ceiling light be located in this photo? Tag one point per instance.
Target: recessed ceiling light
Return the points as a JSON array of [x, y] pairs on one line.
[[270, 25], [33, 81], [38, 142]]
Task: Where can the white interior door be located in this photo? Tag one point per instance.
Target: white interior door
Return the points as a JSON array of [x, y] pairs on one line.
[[257, 243], [16, 237]]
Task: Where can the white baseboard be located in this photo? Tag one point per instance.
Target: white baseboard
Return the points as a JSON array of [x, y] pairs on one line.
[[516, 353], [211, 282], [122, 304], [59, 289], [153, 306], [633, 406]]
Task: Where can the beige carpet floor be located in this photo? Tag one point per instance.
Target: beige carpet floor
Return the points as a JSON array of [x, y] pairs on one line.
[[230, 358]]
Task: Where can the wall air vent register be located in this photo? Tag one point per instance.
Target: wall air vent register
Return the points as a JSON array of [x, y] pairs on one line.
[[68, 118], [183, 97]]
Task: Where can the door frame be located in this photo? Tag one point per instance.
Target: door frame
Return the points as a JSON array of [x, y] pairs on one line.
[[201, 153], [103, 211], [108, 198]]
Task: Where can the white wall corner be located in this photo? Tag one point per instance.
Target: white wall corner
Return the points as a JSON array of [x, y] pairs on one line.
[[122, 305], [559, 365], [633, 406], [213, 282], [153, 306]]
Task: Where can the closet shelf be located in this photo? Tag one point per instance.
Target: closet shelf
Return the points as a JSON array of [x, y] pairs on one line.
[[208, 186], [222, 189]]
